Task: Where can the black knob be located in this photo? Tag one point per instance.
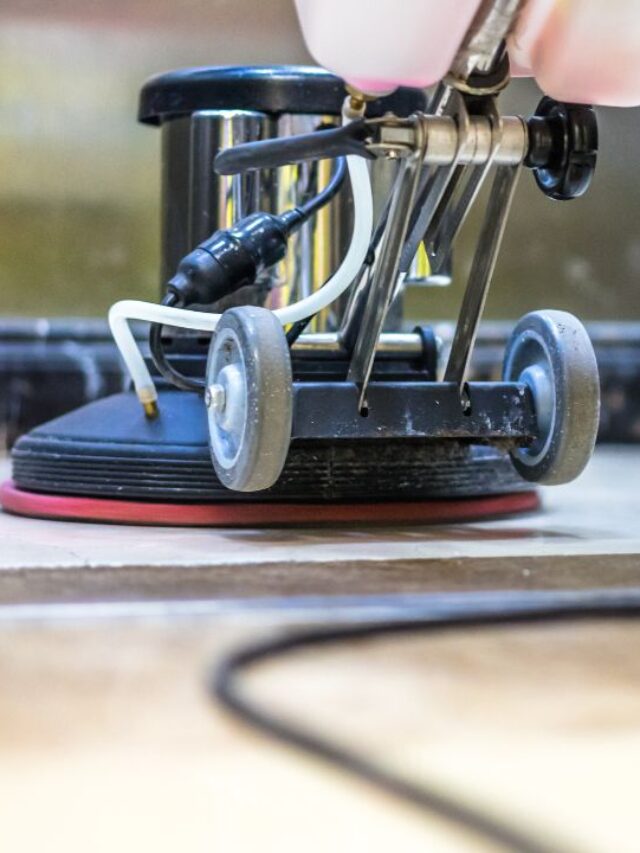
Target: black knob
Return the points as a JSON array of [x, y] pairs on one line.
[[563, 148]]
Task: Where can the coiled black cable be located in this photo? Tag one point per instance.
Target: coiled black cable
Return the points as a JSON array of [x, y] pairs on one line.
[[425, 614]]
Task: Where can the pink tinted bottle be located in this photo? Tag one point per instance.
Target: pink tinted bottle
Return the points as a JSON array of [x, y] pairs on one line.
[[377, 46]]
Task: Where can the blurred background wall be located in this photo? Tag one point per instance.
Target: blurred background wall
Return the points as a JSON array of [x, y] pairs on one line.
[[79, 178]]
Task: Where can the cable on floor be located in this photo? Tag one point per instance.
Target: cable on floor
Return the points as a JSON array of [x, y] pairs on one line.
[[426, 615]]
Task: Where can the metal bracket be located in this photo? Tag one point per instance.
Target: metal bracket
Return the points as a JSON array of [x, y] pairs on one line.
[[482, 268], [386, 270], [438, 241], [433, 192]]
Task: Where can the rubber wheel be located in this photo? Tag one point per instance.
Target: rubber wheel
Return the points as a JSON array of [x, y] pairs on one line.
[[249, 399], [551, 353]]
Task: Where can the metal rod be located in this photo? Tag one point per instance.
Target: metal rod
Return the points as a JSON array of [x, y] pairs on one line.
[[354, 309], [483, 41], [484, 263], [331, 345], [355, 306], [433, 187], [435, 197], [443, 213], [448, 142], [451, 225], [386, 274], [442, 234]]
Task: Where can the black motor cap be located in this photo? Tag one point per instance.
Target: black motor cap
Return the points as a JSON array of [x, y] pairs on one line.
[[272, 89]]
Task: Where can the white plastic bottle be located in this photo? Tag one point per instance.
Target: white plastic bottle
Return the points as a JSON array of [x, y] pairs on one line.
[[378, 45]]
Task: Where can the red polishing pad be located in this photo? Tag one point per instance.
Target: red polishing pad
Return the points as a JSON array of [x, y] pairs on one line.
[[240, 514]]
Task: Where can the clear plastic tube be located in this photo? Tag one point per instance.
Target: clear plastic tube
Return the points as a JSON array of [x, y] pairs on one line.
[[129, 309]]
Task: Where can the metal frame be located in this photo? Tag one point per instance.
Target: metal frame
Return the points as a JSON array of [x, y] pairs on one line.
[[448, 143], [459, 150], [385, 276], [444, 158]]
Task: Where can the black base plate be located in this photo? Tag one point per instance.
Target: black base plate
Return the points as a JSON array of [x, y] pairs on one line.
[[109, 449]]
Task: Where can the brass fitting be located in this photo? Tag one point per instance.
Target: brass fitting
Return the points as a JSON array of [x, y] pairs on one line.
[[151, 409], [357, 101]]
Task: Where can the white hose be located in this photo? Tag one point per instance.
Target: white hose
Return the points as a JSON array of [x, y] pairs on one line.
[[130, 309]]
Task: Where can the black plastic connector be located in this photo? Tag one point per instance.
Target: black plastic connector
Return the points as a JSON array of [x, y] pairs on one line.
[[234, 258]]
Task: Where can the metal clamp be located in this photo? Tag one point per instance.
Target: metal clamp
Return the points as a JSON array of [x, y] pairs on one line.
[[449, 142], [482, 268]]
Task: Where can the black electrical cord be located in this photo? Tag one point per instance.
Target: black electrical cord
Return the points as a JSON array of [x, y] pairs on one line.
[[426, 614], [159, 356], [202, 262], [309, 208]]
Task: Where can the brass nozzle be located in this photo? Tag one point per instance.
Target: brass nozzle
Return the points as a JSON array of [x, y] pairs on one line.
[[357, 99], [151, 409]]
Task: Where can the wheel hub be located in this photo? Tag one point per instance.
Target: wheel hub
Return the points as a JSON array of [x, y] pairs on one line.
[[226, 400]]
